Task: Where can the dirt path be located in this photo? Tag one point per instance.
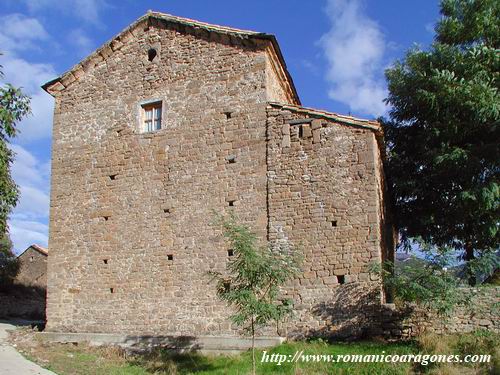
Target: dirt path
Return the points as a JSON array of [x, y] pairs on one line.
[[13, 363]]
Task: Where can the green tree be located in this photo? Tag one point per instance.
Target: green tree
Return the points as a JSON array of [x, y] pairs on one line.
[[443, 133], [254, 276], [428, 282], [9, 265], [14, 105]]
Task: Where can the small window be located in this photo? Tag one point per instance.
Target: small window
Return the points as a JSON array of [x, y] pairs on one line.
[[151, 116], [151, 54]]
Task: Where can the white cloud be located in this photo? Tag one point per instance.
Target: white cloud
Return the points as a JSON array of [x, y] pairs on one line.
[[27, 223], [25, 233], [354, 48], [87, 10], [18, 32], [27, 169], [30, 76], [32, 175], [78, 38], [34, 202]]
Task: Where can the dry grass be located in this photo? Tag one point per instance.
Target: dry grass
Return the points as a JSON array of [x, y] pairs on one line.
[[73, 359], [432, 343], [86, 360], [479, 342]]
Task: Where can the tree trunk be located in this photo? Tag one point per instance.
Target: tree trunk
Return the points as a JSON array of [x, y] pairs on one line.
[[469, 255], [253, 347]]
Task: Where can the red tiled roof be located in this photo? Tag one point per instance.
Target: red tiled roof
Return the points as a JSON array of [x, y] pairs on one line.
[[38, 248]]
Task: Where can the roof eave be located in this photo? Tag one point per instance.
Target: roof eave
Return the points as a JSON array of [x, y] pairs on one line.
[[46, 85], [277, 48], [36, 247], [343, 119]]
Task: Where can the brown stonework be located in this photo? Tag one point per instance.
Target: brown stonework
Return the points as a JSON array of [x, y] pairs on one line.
[[26, 297], [33, 267], [326, 200], [480, 312], [131, 233]]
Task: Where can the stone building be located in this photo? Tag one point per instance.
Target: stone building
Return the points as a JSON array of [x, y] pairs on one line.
[[33, 267], [26, 297], [171, 120]]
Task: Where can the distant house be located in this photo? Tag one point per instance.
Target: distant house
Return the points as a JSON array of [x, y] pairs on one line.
[[33, 270], [26, 299]]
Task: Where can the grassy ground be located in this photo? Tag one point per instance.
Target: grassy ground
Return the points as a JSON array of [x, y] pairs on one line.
[[163, 361], [84, 360]]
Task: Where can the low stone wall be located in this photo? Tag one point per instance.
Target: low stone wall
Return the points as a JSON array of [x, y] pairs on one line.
[[135, 343], [483, 312], [22, 303]]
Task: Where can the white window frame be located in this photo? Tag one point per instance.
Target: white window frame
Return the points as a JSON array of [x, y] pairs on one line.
[[151, 117]]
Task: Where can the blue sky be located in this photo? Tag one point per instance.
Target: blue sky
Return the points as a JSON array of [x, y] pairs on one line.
[[336, 52]]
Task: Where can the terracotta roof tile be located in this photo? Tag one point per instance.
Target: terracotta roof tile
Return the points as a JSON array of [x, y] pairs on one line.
[[40, 249]]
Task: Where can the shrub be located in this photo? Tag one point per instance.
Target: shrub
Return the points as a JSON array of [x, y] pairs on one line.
[[9, 264]]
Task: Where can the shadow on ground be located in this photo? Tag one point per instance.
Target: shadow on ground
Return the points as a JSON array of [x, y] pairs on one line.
[[167, 361], [169, 354]]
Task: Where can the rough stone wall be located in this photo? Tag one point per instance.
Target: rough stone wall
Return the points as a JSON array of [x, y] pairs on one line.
[[33, 270], [324, 198], [131, 213], [131, 232], [482, 312], [22, 303], [276, 91]]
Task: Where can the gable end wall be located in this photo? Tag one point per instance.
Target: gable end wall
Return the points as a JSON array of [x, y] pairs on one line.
[[109, 270], [130, 254]]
